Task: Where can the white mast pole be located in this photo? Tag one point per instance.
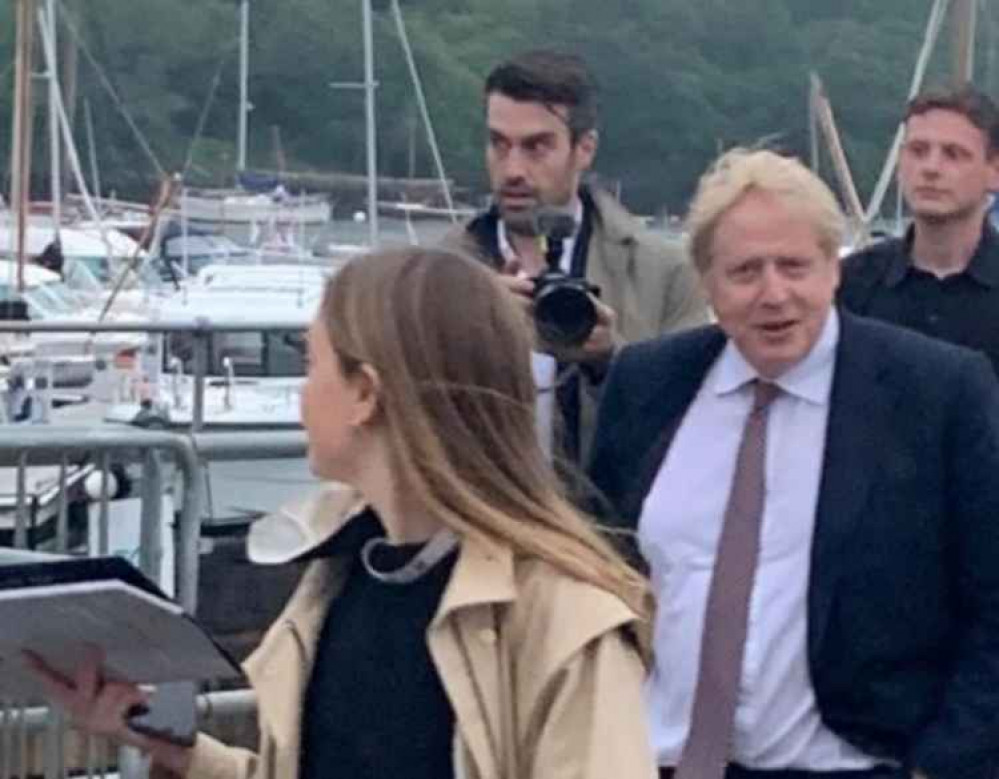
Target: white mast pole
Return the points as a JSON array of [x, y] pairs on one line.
[[244, 70], [55, 147], [369, 122], [965, 16], [21, 133]]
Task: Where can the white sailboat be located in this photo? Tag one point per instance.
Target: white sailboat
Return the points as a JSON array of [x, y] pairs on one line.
[[237, 205]]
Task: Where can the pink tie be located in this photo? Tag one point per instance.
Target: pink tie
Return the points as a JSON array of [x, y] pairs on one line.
[[726, 618]]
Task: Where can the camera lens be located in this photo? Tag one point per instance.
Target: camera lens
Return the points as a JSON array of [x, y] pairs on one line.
[[564, 314]]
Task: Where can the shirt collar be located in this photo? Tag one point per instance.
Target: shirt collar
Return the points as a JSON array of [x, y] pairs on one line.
[[983, 266], [506, 248], [810, 379]]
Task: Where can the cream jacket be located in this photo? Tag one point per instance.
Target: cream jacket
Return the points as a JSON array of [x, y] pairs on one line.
[[519, 648]]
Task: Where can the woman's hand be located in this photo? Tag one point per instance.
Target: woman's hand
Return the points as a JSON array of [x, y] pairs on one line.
[[101, 708]]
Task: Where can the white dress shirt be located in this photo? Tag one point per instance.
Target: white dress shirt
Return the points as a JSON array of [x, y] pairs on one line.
[[777, 723]]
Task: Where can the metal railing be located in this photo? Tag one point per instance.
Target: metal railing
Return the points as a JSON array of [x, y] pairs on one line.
[[32, 445], [201, 330], [35, 741]]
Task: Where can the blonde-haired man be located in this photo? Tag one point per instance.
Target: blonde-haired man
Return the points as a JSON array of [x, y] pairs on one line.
[[816, 498]]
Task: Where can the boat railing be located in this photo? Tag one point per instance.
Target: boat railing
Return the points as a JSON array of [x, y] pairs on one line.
[[200, 330]]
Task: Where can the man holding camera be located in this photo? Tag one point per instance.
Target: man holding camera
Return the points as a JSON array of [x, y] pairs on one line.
[[587, 270]]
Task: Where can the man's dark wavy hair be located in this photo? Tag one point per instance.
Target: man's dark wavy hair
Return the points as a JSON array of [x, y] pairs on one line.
[[552, 78], [977, 107]]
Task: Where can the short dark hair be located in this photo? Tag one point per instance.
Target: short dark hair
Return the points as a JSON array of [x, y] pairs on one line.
[[552, 78], [977, 107]]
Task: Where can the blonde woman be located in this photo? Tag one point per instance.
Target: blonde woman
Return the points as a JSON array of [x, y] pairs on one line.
[[461, 619]]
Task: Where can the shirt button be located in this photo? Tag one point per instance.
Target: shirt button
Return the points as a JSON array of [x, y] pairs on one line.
[[487, 636]]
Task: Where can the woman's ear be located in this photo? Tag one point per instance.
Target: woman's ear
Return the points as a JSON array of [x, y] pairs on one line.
[[367, 386]]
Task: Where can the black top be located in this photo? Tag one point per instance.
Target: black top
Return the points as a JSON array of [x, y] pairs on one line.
[[962, 308], [375, 707]]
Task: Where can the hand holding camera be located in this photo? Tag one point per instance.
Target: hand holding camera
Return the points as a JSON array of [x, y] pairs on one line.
[[570, 320]]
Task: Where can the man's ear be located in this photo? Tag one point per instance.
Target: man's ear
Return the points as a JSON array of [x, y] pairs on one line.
[[586, 149], [993, 162], [367, 386]]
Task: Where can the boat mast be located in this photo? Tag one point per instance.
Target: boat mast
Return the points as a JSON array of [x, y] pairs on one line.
[[965, 14], [55, 147], [244, 70], [821, 110], [22, 131], [938, 14], [421, 102], [369, 122]]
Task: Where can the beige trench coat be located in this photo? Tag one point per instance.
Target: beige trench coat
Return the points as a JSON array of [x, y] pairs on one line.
[[573, 689]]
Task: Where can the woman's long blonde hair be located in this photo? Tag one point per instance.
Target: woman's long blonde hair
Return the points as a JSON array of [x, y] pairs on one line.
[[452, 349]]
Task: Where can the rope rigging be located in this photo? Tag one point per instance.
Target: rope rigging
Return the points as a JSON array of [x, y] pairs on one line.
[[106, 83], [206, 108]]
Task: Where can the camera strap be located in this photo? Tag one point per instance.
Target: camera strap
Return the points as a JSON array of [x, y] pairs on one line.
[[568, 383], [582, 246]]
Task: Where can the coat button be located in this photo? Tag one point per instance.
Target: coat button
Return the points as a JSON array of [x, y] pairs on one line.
[[487, 636]]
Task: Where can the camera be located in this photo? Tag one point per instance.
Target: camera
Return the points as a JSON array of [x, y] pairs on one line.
[[564, 313]]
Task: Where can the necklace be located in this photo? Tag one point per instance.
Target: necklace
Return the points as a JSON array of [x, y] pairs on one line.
[[435, 550]]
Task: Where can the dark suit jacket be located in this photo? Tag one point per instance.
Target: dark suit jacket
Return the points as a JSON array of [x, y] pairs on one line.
[[903, 599]]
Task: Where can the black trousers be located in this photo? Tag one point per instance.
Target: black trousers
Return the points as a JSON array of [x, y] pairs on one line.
[[735, 771]]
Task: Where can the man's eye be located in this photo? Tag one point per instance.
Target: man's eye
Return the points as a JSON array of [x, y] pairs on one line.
[[537, 147], [794, 266]]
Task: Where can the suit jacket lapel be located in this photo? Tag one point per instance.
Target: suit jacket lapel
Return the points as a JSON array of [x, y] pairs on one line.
[[658, 423], [859, 405]]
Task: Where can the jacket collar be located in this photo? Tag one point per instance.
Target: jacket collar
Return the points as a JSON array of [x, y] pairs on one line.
[[616, 224], [483, 574], [305, 529], [336, 519]]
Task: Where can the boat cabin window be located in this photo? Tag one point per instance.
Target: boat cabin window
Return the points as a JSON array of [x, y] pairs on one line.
[[51, 300], [275, 354], [80, 278], [99, 268]]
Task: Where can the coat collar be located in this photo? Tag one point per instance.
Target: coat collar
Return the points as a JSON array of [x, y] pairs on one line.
[[680, 376], [483, 574], [617, 224], [300, 530]]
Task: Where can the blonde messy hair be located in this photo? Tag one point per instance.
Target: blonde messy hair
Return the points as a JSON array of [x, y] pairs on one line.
[[741, 171], [456, 400]]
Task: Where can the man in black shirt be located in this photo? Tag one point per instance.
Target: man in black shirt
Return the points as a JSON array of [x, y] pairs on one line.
[[942, 277]]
